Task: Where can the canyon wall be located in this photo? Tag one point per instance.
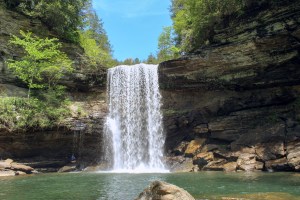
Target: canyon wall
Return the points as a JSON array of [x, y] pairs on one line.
[[235, 104], [80, 135]]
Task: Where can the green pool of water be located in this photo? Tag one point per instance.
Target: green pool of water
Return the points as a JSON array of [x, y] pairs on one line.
[[100, 186]]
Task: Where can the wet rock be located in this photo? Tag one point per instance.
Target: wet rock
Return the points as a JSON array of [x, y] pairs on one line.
[[159, 190]]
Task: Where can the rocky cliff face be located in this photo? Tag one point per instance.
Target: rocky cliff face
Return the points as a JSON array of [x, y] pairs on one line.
[[235, 103], [80, 136]]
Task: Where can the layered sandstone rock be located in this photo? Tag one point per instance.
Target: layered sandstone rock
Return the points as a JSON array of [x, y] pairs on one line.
[[241, 93]]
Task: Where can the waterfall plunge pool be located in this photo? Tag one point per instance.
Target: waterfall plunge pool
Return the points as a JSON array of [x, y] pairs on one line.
[[110, 186]]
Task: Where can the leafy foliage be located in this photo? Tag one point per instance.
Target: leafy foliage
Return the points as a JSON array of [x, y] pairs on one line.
[[63, 17], [152, 59], [193, 20], [166, 45], [41, 67], [93, 39], [22, 113], [94, 55], [43, 63]]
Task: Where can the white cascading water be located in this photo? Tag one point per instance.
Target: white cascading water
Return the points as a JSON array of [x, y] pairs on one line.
[[133, 129]]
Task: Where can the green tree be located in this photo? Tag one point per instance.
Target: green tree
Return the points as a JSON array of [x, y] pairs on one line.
[[62, 17], [194, 20], [166, 45], [128, 61], [94, 24], [95, 56], [93, 39], [136, 61], [43, 63], [152, 59]]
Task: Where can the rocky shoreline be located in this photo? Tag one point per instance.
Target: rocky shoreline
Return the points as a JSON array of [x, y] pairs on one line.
[[10, 168]]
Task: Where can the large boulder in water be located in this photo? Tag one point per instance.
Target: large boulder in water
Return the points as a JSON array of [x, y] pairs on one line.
[[159, 190]]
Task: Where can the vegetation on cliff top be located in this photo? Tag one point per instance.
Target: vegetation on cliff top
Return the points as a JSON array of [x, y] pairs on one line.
[[194, 21], [72, 21], [193, 26]]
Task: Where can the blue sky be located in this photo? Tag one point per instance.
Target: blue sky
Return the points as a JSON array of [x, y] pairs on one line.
[[133, 26]]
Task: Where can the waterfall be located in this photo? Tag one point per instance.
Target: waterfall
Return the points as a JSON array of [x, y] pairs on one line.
[[133, 128]]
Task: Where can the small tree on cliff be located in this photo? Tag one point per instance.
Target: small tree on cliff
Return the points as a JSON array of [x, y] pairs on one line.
[[42, 65]]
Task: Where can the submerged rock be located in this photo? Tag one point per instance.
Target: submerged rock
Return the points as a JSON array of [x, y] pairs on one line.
[[159, 190]]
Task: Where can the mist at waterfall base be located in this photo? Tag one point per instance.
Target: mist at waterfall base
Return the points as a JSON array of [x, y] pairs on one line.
[[133, 134]]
